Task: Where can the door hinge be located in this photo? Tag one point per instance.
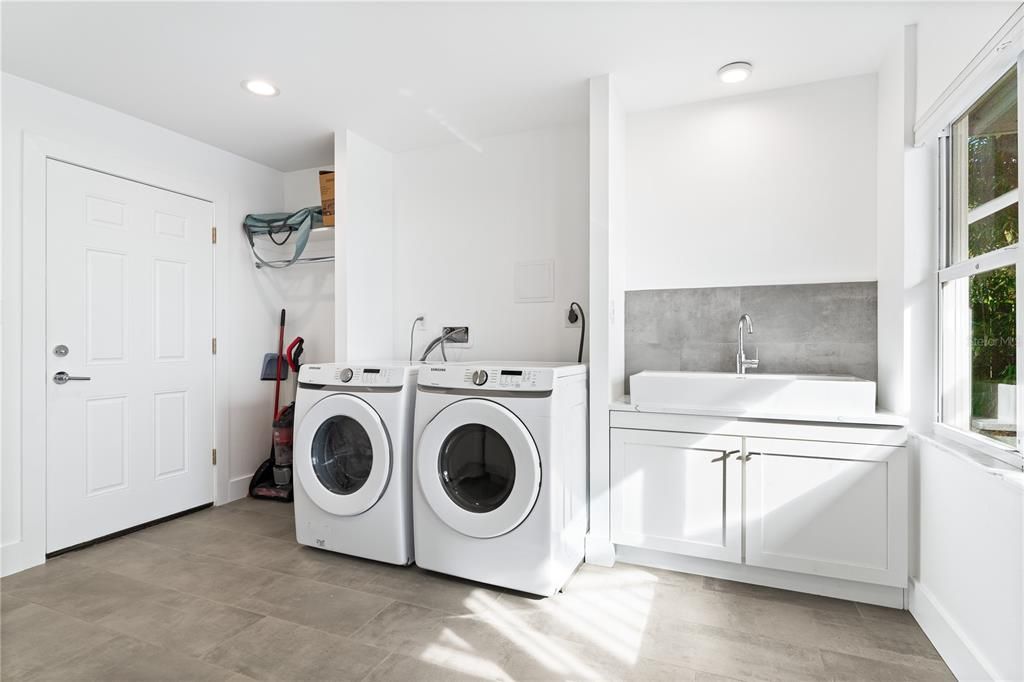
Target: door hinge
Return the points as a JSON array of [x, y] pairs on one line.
[[213, 234], [213, 345], [214, 457]]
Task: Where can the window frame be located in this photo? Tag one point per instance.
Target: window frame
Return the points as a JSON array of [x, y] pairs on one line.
[[1012, 255]]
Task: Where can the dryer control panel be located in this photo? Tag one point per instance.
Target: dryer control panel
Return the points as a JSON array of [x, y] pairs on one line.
[[488, 377], [355, 375]]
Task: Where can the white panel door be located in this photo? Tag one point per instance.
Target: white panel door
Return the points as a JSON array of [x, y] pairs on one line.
[[830, 509], [677, 492], [130, 296]]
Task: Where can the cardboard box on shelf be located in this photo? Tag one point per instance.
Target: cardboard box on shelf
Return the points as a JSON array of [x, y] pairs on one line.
[[327, 196]]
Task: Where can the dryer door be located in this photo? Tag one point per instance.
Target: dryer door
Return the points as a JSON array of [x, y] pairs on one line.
[[342, 455], [478, 468]]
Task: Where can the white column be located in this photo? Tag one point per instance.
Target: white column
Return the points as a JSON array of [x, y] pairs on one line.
[[368, 251], [607, 355]]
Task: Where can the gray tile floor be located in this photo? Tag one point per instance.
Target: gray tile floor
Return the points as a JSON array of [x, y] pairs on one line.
[[227, 594]]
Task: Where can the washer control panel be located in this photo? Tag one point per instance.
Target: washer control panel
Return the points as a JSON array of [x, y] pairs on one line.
[[488, 377], [354, 375]]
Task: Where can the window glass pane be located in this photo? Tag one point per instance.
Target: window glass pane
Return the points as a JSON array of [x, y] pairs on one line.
[[994, 232], [993, 298], [984, 174], [992, 143], [980, 354]]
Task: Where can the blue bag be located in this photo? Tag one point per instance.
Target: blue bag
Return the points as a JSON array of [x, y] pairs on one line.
[[280, 227]]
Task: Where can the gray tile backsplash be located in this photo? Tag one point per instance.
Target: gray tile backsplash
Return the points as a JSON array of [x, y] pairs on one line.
[[805, 328]]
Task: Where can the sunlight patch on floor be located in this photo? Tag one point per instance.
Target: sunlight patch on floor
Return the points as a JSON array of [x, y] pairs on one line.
[[537, 645], [461, 660], [603, 622], [450, 638], [608, 610]]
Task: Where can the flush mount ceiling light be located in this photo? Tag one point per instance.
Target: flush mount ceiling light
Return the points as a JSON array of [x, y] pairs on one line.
[[261, 88], [735, 72]]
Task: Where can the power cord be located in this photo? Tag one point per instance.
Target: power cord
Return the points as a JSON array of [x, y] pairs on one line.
[[412, 334], [573, 307]]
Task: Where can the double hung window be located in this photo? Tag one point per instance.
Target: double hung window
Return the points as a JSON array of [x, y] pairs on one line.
[[978, 273]]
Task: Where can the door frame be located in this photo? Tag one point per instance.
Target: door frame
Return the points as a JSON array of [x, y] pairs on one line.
[[30, 430]]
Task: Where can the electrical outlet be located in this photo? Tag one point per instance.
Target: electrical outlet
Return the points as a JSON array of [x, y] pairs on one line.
[[568, 323], [461, 335], [420, 323]]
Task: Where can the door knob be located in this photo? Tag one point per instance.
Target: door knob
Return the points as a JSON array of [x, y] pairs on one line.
[[61, 378]]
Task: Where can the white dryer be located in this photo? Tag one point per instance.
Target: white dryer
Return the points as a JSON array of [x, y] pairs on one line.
[[353, 458], [500, 490]]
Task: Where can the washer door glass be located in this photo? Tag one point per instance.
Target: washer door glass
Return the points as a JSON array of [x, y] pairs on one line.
[[342, 455], [477, 468]]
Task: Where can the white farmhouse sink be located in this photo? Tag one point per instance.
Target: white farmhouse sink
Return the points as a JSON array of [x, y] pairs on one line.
[[776, 394]]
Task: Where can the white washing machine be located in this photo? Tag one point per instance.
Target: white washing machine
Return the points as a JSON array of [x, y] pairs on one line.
[[353, 459], [500, 481]]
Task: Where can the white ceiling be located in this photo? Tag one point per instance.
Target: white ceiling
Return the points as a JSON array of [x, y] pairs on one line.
[[420, 74]]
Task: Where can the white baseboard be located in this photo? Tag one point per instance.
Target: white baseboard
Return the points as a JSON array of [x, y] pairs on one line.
[[948, 637], [599, 551], [238, 488], [881, 595], [18, 556]]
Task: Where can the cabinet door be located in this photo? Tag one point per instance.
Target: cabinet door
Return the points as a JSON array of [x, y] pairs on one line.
[[830, 509], [677, 492]]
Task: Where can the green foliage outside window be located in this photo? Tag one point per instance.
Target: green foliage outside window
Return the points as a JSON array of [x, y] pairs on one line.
[[992, 173]]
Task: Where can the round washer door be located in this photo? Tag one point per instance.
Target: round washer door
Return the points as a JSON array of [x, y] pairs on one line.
[[478, 468], [342, 455]]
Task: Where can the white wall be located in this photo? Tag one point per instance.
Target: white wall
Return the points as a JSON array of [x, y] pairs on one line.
[[968, 592], [464, 218], [248, 307], [368, 252], [947, 40], [308, 288], [966, 535], [302, 187], [772, 188]]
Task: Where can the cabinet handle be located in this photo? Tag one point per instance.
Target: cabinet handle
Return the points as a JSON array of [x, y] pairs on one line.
[[726, 455]]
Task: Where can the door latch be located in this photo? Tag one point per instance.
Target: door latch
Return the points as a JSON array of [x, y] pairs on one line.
[[61, 378]]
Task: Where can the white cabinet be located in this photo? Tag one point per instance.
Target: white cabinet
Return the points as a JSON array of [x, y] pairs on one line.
[[677, 492], [830, 509], [800, 503]]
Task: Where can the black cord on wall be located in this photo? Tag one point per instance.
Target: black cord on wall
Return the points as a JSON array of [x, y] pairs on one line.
[[573, 307]]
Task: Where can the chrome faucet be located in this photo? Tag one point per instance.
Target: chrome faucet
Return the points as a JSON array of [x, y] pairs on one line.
[[743, 363]]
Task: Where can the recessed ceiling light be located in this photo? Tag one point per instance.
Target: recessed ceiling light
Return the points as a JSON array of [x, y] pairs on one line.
[[735, 72], [261, 88]]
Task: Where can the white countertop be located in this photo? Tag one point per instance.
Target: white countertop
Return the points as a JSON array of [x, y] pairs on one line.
[[879, 418]]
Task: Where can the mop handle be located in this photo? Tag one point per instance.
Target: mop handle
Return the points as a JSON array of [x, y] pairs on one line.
[[280, 360]]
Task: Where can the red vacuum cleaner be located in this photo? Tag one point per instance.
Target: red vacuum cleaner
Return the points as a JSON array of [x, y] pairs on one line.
[[273, 478]]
